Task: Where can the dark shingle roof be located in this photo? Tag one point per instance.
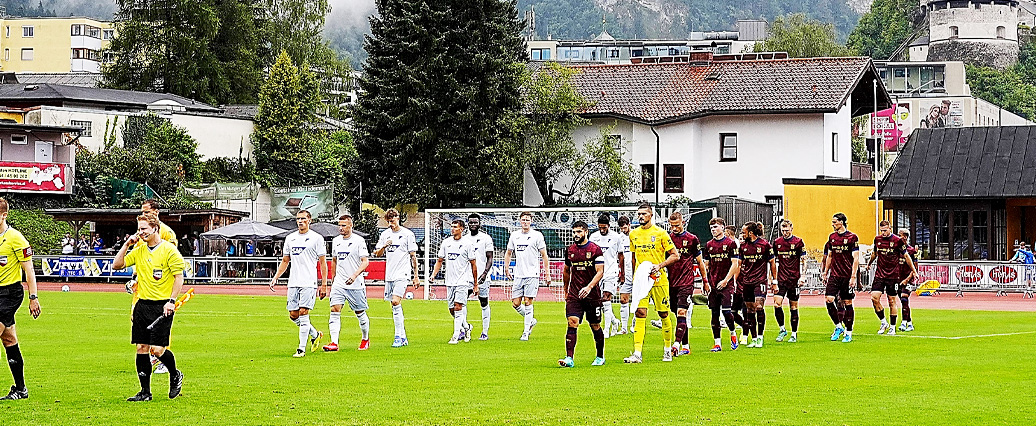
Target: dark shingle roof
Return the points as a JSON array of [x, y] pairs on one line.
[[966, 162], [666, 93], [81, 79], [46, 92]]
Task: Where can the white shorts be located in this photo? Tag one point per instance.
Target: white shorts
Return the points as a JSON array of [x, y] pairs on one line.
[[357, 297], [525, 287], [301, 297], [395, 288], [457, 294], [610, 285], [626, 288]]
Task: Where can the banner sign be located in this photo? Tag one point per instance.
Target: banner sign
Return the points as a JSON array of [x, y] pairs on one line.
[[286, 202], [223, 191], [34, 177], [892, 128], [940, 273], [989, 276]]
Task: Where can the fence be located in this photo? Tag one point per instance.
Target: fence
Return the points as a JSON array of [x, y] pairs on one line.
[[964, 277]]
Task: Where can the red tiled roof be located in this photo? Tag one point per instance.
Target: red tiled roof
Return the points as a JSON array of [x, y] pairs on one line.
[[665, 93]]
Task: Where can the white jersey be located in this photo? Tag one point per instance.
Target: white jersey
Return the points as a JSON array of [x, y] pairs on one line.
[[482, 244], [627, 257], [305, 251], [349, 254], [611, 245], [526, 247], [457, 255], [397, 254]]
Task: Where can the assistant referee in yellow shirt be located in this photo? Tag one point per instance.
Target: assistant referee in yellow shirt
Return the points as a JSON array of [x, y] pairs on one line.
[[159, 268], [15, 259]]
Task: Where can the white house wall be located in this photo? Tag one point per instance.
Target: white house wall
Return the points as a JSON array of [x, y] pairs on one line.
[[839, 124]]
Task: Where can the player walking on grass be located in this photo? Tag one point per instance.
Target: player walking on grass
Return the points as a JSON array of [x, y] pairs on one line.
[[841, 268], [906, 275], [790, 252], [739, 312], [681, 280], [159, 281], [652, 244], [151, 206], [584, 270], [528, 247], [723, 260], [756, 261], [483, 247], [626, 288], [305, 251], [614, 270], [458, 253], [15, 259], [399, 246], [350, 259], [889, 252]]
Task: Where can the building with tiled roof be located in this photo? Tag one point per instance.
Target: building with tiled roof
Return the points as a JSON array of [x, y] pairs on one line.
[[728, 124]]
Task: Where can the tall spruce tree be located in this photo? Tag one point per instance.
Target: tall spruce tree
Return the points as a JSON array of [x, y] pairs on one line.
[[283, 140], [437, 118]]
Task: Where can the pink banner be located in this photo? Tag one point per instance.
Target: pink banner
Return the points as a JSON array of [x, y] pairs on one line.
[[892, 128], [35, 177]]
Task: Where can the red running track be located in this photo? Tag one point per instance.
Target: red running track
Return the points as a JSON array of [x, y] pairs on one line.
[[970, 301]]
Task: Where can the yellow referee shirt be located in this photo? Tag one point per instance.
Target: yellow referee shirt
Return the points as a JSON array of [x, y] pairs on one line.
[[14, 249], [652, 245], [156, 268]]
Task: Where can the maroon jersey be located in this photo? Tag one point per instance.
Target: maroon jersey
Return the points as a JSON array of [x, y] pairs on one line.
[[789, 252], [890, 252], [581, 262], [904, 269], [681, 272], [840, 249], [755, 258], [721, 255]]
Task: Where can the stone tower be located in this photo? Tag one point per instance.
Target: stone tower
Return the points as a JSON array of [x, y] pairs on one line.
[[982, 32]]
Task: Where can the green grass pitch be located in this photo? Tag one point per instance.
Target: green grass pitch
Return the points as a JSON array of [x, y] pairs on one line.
[[236, 354]]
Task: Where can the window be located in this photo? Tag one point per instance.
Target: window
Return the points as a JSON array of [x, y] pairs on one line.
[[8, 30], [673, 178], [28, 32], [19, 140], [77, 30], [540, 54], [834, 147], [7, 54], [108, 34], [728, 147], [954, 33], [1001, 32], [27, 54], [85, 125], [93, 32], [613, 53], [647, 178]]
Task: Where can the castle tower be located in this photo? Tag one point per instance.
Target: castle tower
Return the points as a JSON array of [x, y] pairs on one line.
[[982, 32]]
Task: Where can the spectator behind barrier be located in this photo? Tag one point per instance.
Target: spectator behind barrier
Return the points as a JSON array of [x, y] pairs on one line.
[[1023, 255]]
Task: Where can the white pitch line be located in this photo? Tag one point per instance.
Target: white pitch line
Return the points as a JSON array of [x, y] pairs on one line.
[[973, 336]]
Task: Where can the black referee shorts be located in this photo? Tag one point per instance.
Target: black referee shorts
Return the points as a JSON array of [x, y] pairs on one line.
[[144, 313], [11, 297]]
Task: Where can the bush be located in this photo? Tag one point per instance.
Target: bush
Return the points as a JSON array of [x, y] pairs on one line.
[[43, 233]]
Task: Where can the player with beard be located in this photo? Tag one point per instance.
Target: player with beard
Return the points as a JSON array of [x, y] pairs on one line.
[[649, 243], [840, 271], [681, 279], [790, 252], [483, 246], [584, 269], [614, 270]]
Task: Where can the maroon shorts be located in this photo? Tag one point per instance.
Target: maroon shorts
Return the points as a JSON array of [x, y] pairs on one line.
[[681, 296], [721, 298], [591, 308], [750, 292], [885, 285], [839, 287], [788, 290]]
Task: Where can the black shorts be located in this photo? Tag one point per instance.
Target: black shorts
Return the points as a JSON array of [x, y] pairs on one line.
[[591, 308], [788, 290], [750, 292], [721, 298], [839, 287], [144, 313], [11, 297], [885, 285], [681, 296]]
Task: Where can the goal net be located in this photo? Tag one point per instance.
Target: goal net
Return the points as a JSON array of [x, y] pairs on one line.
[[556, 226]]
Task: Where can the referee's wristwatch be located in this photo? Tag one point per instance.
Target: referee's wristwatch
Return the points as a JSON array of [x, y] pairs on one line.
[[173, 301], [33, 297]]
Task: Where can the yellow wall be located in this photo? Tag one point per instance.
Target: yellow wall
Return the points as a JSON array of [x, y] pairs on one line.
[[17, 116], [51, 43], [810, 207]]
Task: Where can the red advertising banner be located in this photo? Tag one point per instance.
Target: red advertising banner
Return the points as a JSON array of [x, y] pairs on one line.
[[33, 177]]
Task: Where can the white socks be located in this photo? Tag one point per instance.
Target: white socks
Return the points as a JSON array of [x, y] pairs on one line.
[[690, 309], [334, 326], [528, 318], [464, 312], [609, 315], [624, 314], [485, 319], [397, 320], [520, 309], [365, 324], [458, 323], [304, 328]]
